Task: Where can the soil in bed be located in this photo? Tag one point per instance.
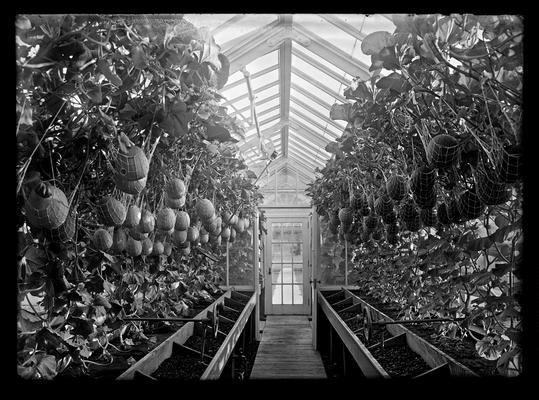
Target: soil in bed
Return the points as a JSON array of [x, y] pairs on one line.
[[461, 349], [399, 361]]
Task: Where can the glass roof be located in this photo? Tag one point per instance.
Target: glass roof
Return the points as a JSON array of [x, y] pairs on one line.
[[298, 66]]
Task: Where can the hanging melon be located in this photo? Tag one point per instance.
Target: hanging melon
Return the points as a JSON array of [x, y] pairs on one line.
[[396, 187], [204, 209], [408, 213], [509, 164], [426, 198], [131, 165], [167, 249], [179, 237], [46, 207], [175, 203], [133, 247], [193, 234], [158, 248], [136, 234], [204, 237], [490, 190], [130, 187], [225, 233], [346, 217], [182, 221], [371, 222], [102, 240], [232, 237], [240, 225], [186, 250], [111, 212], [246, 222], [166, 219], [469, 205], [234, 220], [147, 222], [227, 217], [422, 179], [383, 205], [442, 151], [428, 216], [147, 247], [119, 240], [389, 218], [133, 216], [175, 188], [64, 232]]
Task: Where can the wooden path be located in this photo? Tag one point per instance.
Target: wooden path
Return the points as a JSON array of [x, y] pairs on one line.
[[286, 350]]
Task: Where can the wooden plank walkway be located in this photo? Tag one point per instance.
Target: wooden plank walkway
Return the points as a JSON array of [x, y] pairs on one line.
[[286, 350]]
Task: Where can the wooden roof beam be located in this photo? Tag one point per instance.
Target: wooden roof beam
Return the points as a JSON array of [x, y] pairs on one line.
[[317, 113], [311, 61], [318, 85], [339, 23], [332, 54]]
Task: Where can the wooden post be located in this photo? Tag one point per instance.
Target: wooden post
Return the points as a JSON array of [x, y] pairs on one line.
[[227, 265], [256, 257], [345, 262]]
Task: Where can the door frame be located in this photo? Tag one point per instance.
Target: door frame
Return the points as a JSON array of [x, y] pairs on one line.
[[287, 214]]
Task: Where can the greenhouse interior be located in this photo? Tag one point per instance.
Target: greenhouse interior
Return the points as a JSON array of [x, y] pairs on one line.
[[238, 197]]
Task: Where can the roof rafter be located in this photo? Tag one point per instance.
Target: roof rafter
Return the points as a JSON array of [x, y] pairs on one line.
[[311, 61], [339, 23], [316, 124], [302, 129], [253, 76], [311, 97], [308, 142], [318, 85], [246, 94], [300, 159], [333, 54], [229, 22], [257, 103], [285, 75], [316, 112]]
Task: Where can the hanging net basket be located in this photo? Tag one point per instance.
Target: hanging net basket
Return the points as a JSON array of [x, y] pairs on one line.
[[488, 188], [383, 205], [469, 205], [111, 212], [442, 151], [132, 165], [46, 207], [422, 179], [396, 187], [426, 198], [130, 187], [441, 213], [64, 232], [509, 165], [428, 216]]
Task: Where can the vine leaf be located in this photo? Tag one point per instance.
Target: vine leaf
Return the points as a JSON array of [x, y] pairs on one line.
[[374, 42]]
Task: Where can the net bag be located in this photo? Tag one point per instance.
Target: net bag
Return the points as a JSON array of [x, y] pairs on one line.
[[441, 213], [132, 165], [46, 207], [422, 179], [442, 151], [383, 205], [428, 216], [509, 164], [469, 205], [489, 189], [111, 212], [396, 187]]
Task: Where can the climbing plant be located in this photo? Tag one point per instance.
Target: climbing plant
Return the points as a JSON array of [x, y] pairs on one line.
[[428, 171], [90, 88]]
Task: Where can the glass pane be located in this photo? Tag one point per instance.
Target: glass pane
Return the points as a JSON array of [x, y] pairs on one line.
[[276, 295], [298, 294], [287, 273], [287, 232], [276, 273], [297, 233], [297, 253], [276, 253], [298, 273], [287, 252], [276, 232], [287, 294]]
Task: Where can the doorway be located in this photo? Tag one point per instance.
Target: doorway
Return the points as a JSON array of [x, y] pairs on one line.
[[287, 271]]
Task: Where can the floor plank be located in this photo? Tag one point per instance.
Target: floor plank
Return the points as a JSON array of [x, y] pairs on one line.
[[286, 350]]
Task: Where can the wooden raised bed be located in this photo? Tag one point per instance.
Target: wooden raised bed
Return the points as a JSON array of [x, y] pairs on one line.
[[147, 365], [399, 339]]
